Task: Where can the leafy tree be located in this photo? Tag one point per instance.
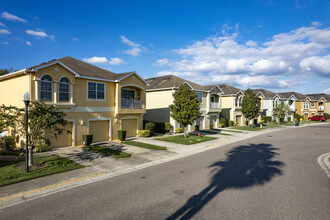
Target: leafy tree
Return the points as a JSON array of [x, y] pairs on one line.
[[11, 118], [185, 107], [250, 105], [6, 71], [44, 119], [280, 111]]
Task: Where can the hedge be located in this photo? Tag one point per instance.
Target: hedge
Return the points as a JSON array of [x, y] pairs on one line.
[[122, 135], [151, 127], [266, 118], [144, 133], [87, 139], [178, 130]]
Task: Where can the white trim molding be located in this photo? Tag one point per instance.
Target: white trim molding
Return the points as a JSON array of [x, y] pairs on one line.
[[132, 85], [73, 141]]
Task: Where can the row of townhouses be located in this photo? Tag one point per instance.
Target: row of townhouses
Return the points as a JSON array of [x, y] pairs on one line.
[[99, 102]]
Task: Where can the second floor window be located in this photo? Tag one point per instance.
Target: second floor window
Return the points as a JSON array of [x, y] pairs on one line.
[[312, 104], [64, 90], [96, 91], [46, 91], [199, 97], [305, 104]]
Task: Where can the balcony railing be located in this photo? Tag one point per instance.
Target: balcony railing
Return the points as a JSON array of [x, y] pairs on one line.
[[131, 103], [321, 108], [215, 105]]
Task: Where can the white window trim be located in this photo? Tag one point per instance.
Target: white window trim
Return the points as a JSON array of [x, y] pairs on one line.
[[53, 87], [312, 104], [70, 93], [97, 100]]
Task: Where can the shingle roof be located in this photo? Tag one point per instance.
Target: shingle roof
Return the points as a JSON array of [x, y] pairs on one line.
[[228, 90], [85, 69], [287, 95], [317, 96], [268, 94], [171, 81]]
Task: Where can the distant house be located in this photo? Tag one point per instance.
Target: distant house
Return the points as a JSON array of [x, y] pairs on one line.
[[313, 104], [96, 101], [231, 104], [160, 95], [267, 100]]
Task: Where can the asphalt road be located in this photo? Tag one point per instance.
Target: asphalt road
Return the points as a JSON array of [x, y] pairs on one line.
[[272, 176]]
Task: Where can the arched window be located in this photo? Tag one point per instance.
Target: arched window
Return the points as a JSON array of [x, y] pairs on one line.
[[46, 91], [64, 90]]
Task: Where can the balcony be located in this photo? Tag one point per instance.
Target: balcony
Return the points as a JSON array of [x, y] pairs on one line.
[[131, 103], [215, 105], [321, 108]]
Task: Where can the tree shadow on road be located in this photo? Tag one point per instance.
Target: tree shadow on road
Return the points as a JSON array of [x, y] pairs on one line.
[[244, 167]]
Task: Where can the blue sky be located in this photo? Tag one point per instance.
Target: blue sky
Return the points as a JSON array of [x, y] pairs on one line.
[[278, 45]]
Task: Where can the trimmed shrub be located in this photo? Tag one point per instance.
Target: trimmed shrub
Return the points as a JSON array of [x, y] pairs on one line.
[[327, 115], [9, 143], [297, 116], [274, 120], [211, 126], [87, 139], [42, 147], [289, 118], [151, 127], [266, 118], [231, 123], [144, 133], [178, 130], [160, 127], [220, 125], [122, 135], [168, 127], [224, 122], [196, 127], [262, 121]]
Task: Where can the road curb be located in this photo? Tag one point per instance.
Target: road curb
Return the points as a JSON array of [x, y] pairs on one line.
[[324, 162]]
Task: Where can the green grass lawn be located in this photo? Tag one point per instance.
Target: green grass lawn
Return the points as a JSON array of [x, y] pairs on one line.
[[214, 132], [246, 128], [192, 139], [144, 145], [106, 151], [14, 171]]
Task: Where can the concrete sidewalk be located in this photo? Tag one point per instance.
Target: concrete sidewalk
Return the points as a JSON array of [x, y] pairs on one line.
[[98, 167]]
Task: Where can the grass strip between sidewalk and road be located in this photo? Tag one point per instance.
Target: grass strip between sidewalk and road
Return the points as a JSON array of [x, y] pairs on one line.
[[191, 139], [106, 151], [144, 145], [14, 171]]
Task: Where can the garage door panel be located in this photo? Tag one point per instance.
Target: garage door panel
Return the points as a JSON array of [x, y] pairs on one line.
[[130, 125], [99, 130], [64, 139]]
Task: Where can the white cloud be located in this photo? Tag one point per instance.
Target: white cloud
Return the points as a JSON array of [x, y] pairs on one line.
[[38, 33], [161, 62], [28, 43], [96, 60], [11, 17], [5, 43], [116, 61], [2, 24], [136, 48], [298, 53], [327, 91], [316, 23], [4, 31], [75, 39]]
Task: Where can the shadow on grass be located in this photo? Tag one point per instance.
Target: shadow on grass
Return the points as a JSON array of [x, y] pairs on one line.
[[244, 167]]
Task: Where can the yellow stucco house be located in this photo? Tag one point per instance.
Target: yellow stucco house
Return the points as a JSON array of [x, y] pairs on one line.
[[313, 104], [96, 101], [231, 104]]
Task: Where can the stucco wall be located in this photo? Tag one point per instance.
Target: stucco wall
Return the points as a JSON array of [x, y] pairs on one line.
[[13, 89]]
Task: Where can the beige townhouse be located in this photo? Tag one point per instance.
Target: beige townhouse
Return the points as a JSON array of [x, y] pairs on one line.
[[96, 101], [160, 95]]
